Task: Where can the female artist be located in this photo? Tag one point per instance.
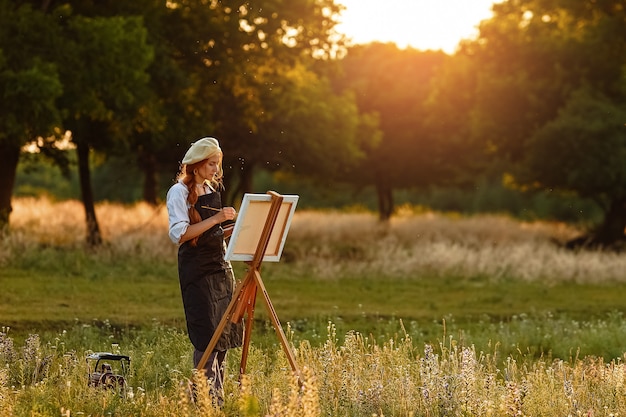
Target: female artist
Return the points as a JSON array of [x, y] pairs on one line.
[[206, 280]]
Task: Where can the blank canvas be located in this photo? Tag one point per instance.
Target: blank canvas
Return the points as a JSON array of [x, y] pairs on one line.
[[250, 223]]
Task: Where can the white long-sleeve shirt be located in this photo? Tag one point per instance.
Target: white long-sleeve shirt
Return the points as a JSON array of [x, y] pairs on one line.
[[178, 210]]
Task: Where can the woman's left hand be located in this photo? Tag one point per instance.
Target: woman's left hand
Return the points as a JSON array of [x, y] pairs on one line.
[[228, 213]]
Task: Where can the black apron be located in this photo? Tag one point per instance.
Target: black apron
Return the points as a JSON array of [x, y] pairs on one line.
[[207, 282]]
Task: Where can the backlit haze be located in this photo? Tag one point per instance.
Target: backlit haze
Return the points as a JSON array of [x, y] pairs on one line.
[[421, 24]]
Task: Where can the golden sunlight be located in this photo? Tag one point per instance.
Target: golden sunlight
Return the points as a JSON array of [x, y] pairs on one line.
[[421, 24]]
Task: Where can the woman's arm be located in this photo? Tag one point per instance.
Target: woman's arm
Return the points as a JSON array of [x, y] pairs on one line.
[[196, 229]]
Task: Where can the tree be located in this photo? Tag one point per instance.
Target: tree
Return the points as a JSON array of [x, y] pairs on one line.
[[449, 121], [218, 70], [583, 151], [393, 85], [535, 58], [303, 129], [103, 93], [30, 86], [68, 71], [168, 102], [251, 73]]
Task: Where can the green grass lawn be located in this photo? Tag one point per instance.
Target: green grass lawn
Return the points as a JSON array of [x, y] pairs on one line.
[[429, 298], [127, 298], [129, 293]]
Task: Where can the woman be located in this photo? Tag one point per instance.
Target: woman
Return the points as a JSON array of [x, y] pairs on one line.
[[206, 280]]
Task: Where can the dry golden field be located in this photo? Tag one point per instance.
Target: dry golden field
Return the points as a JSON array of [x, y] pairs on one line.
[[332, 242]]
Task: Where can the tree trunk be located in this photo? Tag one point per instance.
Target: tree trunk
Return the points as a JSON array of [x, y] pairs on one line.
[[385, 201], [8, 169], [147, 163], [612, 229], [610, 235], [94, 238]]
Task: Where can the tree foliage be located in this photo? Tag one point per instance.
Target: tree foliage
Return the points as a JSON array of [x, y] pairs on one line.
[[551, 83], [583, 151], [103, 92], [393, 85], [30, 86]]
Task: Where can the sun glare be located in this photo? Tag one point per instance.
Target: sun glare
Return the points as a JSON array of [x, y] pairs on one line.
[[421, 24]]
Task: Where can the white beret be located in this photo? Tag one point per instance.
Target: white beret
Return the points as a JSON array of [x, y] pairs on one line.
[[200, 150]]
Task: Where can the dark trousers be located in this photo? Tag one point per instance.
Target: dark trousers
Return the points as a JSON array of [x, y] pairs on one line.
[[214, 370]]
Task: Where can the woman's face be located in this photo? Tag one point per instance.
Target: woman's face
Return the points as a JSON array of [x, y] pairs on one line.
[[210, 168]]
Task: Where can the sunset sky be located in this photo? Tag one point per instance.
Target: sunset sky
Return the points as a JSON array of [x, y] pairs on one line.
[[422, 24]]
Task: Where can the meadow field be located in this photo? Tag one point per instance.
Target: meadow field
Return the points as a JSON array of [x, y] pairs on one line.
[[430, 314]]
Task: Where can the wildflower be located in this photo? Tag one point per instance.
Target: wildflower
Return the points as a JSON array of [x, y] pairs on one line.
[[7, 350], [32, 348]]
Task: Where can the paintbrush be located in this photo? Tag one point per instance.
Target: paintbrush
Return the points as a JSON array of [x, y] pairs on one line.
[[211, 208]]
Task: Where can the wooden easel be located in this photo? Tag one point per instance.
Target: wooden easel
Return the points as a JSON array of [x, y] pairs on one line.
[[244, 298]]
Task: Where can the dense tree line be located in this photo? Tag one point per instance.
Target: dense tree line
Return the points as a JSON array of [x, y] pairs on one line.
[[537, 99]]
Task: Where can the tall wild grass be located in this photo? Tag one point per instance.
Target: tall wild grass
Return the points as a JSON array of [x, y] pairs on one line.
[[494, 246], [47, 376], [332, 244]]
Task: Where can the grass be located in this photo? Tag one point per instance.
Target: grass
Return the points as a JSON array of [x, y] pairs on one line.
[[382, 317], [358, 376]]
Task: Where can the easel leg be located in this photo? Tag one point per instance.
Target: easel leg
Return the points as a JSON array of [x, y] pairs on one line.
[[232, 307], [276, 323], [247, 334]]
